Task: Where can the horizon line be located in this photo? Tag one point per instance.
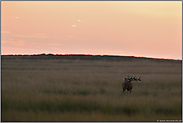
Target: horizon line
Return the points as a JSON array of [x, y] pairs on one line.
[[95, 55]]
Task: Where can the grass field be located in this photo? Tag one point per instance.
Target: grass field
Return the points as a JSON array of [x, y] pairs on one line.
[[89, 90]]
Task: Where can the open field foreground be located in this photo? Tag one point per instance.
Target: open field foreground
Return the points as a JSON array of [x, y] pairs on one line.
[[48, 88]]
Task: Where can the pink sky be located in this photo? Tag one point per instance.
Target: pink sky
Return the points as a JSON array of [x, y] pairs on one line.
[[132, 28]]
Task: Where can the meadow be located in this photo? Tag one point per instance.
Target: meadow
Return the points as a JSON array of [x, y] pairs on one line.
[[51, 88]]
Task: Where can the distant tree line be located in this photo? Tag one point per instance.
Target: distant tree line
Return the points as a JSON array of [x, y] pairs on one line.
[[82, 57]]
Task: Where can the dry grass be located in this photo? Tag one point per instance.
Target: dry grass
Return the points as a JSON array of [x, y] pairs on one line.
[[81, 90]]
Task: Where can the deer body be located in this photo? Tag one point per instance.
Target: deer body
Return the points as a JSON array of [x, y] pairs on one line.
[[127, 85]]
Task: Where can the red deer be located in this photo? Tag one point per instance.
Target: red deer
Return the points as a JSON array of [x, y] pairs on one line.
[[127, 85]]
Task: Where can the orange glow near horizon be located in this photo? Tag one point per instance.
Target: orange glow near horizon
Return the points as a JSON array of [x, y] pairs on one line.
[[132, 28]]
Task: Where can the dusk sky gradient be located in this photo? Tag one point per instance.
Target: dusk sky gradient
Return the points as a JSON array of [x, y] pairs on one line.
[[130, 28]]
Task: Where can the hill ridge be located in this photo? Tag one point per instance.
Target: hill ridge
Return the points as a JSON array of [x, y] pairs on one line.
[[85, 57]]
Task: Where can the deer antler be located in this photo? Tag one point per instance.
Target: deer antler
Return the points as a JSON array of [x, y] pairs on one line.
[[139, 78]]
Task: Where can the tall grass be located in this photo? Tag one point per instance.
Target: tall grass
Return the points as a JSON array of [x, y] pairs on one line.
[[89, 89]]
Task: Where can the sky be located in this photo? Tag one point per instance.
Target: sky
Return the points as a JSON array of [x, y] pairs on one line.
[[126, 28]]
